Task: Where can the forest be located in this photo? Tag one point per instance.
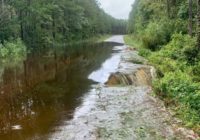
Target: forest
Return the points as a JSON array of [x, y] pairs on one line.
[[48, 23], [167, 33]]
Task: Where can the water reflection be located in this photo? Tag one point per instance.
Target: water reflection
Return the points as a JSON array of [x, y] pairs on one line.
[[40, 92]]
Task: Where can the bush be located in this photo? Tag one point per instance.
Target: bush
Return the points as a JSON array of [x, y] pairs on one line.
[[191, 54], [12, 49], [144, 52], [179, 69], [179, 54], [163, 64], [182, 47], [153, 37], [195, 72], [179, 87], [157, 34]]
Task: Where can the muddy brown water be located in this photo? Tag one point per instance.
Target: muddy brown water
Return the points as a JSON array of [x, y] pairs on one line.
[[39, 93]]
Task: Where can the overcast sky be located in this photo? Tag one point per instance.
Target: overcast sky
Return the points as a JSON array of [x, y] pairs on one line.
[[117, 8]]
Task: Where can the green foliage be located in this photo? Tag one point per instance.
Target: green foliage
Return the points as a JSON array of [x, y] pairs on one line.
[[158, 33], [180, 87], [154, 36], [178, 79], [190, 116], [195, 72], [50, 23], [178, 68], [9, 27], [145, 12], [191, 54], [161, 28], [142, 12], [12, 49], [132, 41], [144, 52], [181, 47]]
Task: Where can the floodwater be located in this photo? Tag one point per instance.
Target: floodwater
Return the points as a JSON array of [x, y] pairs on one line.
[[41, 92]]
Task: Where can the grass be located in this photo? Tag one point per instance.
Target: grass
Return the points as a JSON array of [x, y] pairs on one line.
[[132, 41], [135, 42]]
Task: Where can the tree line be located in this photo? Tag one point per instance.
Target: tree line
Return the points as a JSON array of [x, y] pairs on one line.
[[47, 22], [183, 13]]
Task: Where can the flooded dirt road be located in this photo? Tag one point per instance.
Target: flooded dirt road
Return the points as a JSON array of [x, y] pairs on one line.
[[41, 92], [120, 106], [93, 92]]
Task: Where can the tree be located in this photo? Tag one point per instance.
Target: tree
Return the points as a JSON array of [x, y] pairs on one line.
[[190, 17], [198, 24], [50, 22], [168, 8]]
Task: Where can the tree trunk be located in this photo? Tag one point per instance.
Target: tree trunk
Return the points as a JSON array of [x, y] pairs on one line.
[[53, 29], [2, 5], [168, 8], [190, 18], [21, 26], [198, 24]]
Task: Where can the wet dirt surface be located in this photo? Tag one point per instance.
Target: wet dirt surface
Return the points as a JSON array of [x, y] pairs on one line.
[[120, 107]]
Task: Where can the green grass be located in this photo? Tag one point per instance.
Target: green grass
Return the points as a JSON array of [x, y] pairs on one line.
[[132, 41], [135, 42]]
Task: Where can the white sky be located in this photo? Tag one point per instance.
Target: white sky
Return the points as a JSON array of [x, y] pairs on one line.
[[117, 8]]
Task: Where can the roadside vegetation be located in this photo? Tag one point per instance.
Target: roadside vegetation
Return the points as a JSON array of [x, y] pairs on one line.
[[27, 24], [167, 34]]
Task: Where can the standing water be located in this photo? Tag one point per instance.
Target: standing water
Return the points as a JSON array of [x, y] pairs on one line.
[[39, 94]]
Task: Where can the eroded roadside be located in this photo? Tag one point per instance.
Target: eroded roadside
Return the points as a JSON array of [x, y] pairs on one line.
[[123, 109]]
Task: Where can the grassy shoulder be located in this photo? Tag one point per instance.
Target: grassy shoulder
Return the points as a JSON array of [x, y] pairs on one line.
[[136, 43], [132, 41], [178, 69]]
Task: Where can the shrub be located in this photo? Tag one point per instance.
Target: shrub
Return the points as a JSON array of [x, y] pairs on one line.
[[179, 68], [12, 49], [163, 64], [180, 25], [157, 34], [182, 47], [179, 87], [144, 52], [195, 72], [153, 36], [179, 53], [3, 51], [191, 54]]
